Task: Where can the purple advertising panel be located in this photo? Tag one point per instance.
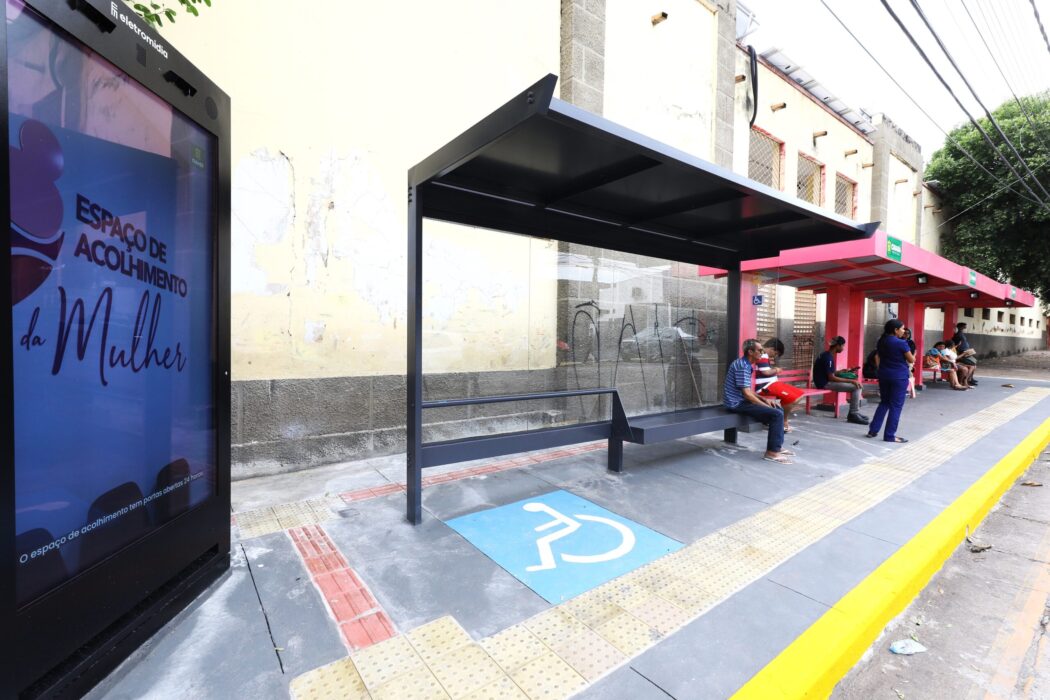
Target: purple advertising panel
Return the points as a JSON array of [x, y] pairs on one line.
[[113, 224]]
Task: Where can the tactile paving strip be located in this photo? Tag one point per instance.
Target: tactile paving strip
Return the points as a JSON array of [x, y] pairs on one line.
[[556, 653], [263, 521]]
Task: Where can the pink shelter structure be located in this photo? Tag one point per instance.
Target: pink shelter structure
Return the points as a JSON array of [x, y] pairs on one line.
[[884, 269]]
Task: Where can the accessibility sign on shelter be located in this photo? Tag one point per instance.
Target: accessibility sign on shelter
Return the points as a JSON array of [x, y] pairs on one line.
[[561, 545]]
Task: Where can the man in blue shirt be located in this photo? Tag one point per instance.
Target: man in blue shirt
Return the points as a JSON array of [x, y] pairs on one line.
[[962, 344], [739, 397], [826, 377]]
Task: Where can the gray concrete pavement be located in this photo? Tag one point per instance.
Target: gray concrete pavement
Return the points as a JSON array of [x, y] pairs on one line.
[[262, 625], [984, 617]]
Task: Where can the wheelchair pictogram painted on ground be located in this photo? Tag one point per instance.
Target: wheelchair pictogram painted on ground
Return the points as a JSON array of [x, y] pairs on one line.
[[571, 525], [561, 545]]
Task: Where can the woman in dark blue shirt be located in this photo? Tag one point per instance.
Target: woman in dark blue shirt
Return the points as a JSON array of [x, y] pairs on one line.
[[894, 360]]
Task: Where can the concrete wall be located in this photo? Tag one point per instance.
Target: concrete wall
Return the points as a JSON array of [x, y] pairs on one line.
[[896, 156], [795, 126]]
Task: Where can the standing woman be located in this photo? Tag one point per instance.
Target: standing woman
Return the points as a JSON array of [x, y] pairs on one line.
[[894, 357]]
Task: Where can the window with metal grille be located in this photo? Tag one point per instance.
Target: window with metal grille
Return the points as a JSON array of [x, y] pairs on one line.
[[986, 314], [845, 191], [766, 314], [803, 339], [763, 164], [810, 179], [968, 313]]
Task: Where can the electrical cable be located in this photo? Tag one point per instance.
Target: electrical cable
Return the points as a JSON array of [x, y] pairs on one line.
[[1006, 80], [973, 121], [980, 202], [1039, 21], [988, 114], [926, 114]]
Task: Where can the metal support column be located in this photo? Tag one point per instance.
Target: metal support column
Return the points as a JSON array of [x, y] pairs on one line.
[[414, 370], [732, 340]]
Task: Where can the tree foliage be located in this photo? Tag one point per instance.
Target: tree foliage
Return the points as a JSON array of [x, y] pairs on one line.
[[155, 13], [996, 231]]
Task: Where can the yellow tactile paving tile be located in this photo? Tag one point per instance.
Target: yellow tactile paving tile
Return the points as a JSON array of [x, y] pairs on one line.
[[503, 689], [419, 684], [263, 521], [590, 655], [466, 670], [628, 634], [380, 662], [438, 638], [254, 523], [514, 647], [548, 678], [592, 610], [553, 626], [335, 681]]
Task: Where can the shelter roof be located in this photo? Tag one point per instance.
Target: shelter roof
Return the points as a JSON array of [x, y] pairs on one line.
[[541, 167], [886, 269]]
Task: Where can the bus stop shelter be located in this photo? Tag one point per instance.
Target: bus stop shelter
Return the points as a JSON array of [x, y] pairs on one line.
[[884, 269], [541, 167]]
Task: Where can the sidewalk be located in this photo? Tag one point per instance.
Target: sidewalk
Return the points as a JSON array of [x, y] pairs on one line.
[[325, 566]]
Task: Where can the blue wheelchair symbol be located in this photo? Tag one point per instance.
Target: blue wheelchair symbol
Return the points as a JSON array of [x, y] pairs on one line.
[[561, 545]]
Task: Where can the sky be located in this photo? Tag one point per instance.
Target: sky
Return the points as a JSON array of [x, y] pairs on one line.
[[808, 33]]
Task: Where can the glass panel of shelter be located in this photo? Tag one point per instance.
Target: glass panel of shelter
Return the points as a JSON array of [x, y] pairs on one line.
[[507, 315]]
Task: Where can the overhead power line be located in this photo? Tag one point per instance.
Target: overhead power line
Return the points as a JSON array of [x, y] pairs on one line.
[[1002, 181], [1006, 80], [973, 121], [987, 113], [1038, 21]]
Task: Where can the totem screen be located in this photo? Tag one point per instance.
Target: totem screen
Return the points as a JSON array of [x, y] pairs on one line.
[[113, 226]]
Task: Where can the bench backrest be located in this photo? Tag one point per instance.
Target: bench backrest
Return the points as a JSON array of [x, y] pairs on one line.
[[790, 376]]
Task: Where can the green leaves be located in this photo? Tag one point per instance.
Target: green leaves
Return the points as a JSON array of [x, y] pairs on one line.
[[997, 231], [153, 12]]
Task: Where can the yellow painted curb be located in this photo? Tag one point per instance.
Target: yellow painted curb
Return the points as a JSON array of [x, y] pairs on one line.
[[812, 665]]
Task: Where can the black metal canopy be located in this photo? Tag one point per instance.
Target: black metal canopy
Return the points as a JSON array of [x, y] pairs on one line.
[[541, 167]]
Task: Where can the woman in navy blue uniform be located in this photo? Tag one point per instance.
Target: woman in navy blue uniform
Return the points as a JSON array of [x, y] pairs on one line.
[[894, 361]]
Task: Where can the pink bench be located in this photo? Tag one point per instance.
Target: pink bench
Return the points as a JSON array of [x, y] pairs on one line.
[[800, 376]]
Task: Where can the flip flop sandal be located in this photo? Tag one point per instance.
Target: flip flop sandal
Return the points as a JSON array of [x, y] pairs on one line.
[[871, 435], [779, 459], [898, 440], [788, 429], [789, 453]]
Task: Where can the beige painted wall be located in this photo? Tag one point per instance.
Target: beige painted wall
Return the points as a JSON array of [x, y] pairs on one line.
[[333, 101], [902, 201], [660, 80], [932, 217], [795, 125]]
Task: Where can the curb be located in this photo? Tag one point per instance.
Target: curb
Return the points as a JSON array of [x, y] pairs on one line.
[[813, 664]]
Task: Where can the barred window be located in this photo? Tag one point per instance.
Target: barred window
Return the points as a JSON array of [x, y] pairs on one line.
[[763, 164], [986, 314], [810, 179], [845, 191]]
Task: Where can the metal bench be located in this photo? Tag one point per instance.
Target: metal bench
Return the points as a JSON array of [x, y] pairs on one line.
[[644, 429]]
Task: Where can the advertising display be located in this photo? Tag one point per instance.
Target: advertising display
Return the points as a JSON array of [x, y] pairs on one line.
[[112, 220], [115, 207]]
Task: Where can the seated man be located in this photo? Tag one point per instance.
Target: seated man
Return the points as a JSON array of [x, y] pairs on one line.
[[965, 351], [825, 376], [738, 397]]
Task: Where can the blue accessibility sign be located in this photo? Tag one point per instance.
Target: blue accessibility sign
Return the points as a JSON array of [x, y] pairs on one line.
[[561, 545]]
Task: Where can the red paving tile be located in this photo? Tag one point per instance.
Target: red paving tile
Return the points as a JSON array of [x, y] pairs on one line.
[[367, 630], [353, 607]]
